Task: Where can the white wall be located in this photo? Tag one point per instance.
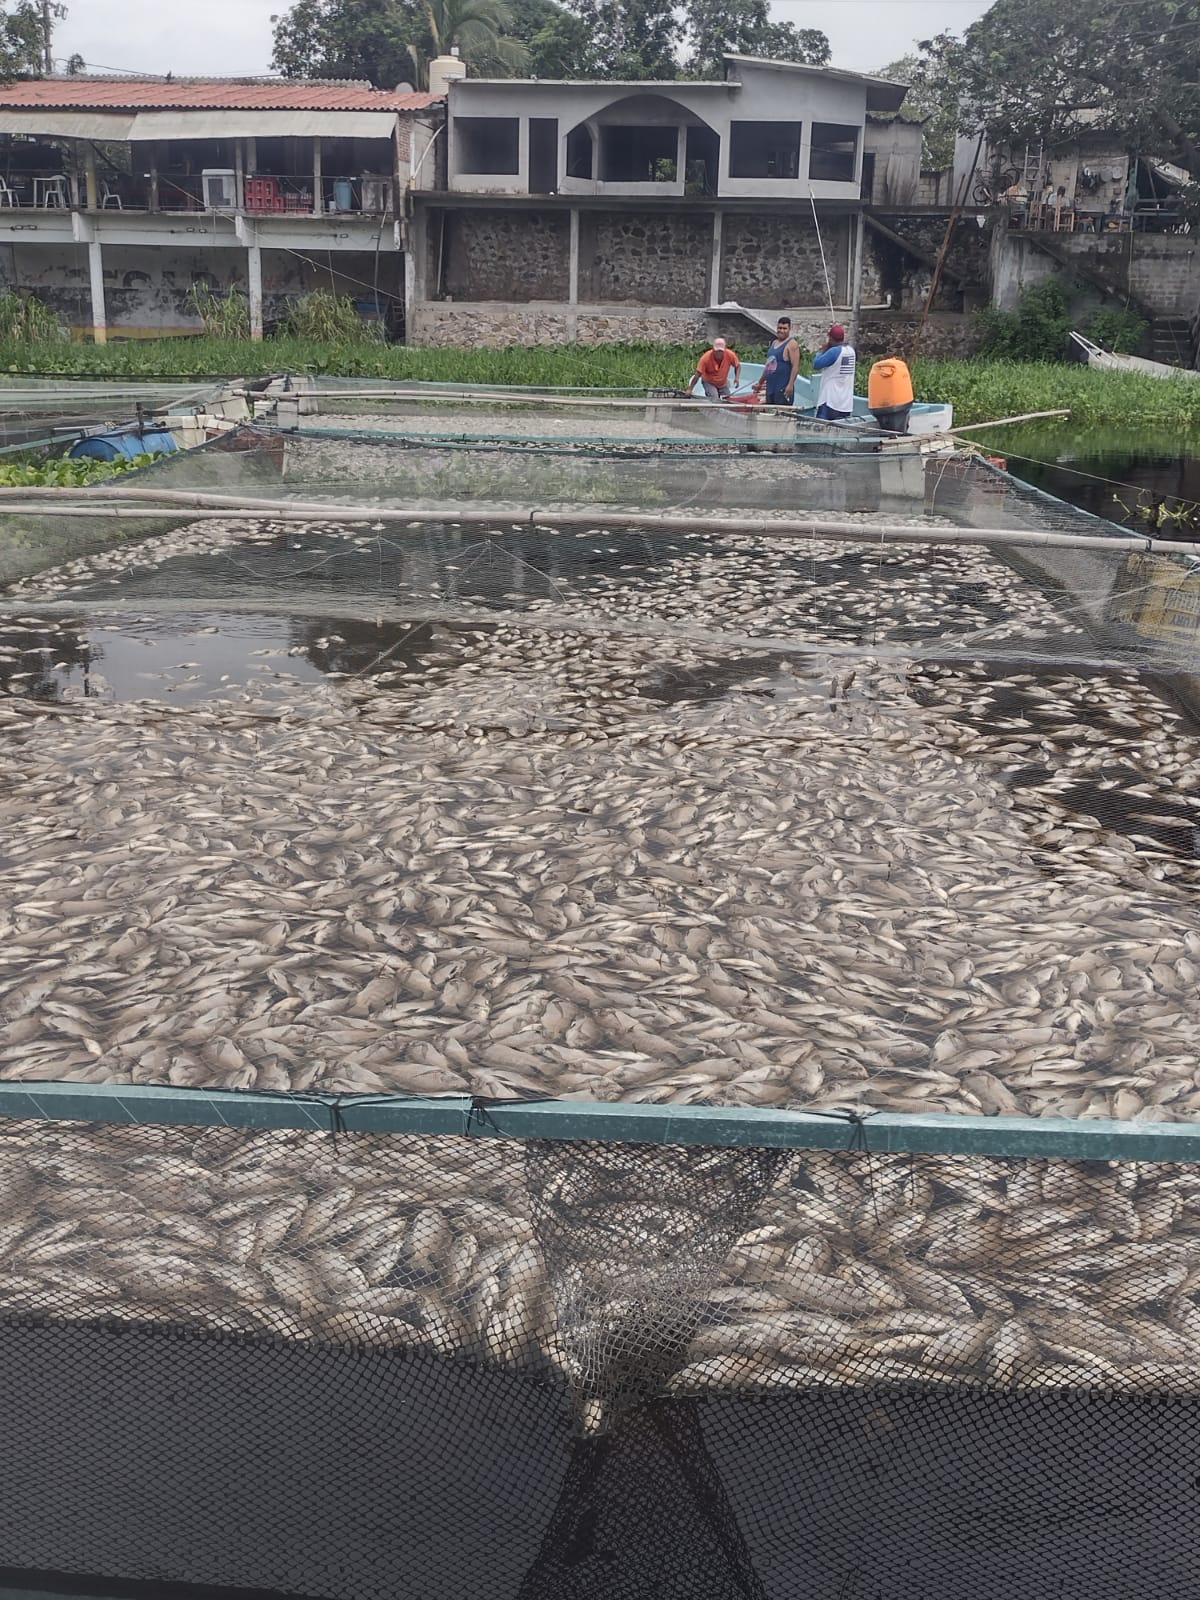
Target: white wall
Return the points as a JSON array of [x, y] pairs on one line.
[[760, 94]]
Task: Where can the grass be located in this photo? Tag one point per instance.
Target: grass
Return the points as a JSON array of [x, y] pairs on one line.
[[979, 390], [619, 365]]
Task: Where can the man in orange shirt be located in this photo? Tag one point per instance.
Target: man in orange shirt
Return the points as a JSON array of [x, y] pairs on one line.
[[715, 369]]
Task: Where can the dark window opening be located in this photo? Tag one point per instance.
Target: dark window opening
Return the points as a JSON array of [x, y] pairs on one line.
[[703, 161], [543, 155], [764, 150], [867, 188], [834, 152], [488, 144], [638, 155], [579, 152]]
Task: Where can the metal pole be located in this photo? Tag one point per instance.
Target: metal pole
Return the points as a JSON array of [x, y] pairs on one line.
[[1055, 1138], [48, 37]]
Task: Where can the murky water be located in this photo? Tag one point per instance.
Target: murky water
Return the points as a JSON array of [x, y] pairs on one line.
[[1143, 479]]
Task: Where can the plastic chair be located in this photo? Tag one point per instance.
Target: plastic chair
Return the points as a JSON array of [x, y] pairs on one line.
[[110, 200], [8, 200]]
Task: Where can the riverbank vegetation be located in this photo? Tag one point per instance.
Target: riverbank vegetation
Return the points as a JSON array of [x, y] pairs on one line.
[[979, 389]]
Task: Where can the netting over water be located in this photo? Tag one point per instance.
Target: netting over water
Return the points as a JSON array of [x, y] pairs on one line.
[[396, 1366], [606, 813]]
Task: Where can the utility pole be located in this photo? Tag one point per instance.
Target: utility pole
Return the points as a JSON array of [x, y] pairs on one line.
[[48, 36]]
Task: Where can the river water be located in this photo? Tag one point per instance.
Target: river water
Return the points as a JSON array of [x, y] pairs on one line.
[[1148, 480]]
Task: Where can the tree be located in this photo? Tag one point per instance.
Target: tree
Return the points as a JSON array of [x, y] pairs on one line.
[[558, 42], [25, 37], [347, 39], [934, 76], [479, 29], [742, 27], [631, 39], [387, 41], [1034, 71]]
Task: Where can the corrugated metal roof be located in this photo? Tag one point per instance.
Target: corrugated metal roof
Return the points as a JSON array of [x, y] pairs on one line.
[[210, 94]]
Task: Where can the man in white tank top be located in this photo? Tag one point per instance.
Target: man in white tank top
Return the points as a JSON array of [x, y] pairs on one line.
[[835, 362]]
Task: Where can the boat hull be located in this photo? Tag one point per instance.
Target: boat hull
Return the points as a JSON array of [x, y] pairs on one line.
[[925, 416], [1109, 361]]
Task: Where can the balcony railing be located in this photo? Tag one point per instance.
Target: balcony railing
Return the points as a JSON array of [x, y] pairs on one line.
[[264, 193], [1045, 216]]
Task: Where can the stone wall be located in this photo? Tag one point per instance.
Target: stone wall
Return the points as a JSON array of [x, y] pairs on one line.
[[516, 256], [775, 260], [437, 323], [657, 260], [946, 336], [493, 325], [890, 269]]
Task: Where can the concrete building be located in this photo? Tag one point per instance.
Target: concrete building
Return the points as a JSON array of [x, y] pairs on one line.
[[117, 196], [639, 210]]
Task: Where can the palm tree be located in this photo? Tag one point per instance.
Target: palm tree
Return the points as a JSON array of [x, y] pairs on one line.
[[477, 27]]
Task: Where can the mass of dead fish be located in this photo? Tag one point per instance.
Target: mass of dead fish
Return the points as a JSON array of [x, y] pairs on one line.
[[594, 851], [856, 1270]]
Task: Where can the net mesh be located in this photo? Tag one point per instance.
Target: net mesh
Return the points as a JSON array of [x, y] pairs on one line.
[[564, 806], [369, 1365]]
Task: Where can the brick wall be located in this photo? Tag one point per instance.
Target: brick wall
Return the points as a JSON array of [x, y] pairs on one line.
[[776, 260], [658, 260], [506, 255]]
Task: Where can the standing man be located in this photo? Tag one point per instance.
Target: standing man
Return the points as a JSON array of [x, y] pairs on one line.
[[783, 363], [714, 370], [835, 362]]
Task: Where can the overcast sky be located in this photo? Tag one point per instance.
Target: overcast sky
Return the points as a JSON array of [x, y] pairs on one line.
[[234, 36]]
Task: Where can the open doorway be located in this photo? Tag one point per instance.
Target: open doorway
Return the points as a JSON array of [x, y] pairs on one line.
[[543, 155]]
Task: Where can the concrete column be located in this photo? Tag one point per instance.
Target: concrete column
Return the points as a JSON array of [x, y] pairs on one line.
[[573, 260], [96, 274], [239, 179], [714, 277], [681, 159], [89, 177], [153, 198], [251, 157], [318, 197], [856, 289], [254, 282]]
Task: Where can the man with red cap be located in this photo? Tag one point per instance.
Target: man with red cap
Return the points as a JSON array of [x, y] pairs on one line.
[[835, 362], [718, 369]]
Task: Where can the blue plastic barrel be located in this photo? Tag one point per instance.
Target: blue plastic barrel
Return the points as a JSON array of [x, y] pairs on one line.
[[122, 442], [343, 194]]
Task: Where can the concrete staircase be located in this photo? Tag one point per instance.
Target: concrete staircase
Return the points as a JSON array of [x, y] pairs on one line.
[[1170, 340]]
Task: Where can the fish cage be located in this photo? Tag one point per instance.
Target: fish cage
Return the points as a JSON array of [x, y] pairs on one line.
[[562, 1046], [651, 419], [36, 413]]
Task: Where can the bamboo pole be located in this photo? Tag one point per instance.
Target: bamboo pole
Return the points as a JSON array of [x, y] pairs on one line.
[[218, 507], [1003, 422]]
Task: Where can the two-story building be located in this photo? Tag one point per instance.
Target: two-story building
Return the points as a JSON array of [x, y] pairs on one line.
[[118, 196], [641, 210]]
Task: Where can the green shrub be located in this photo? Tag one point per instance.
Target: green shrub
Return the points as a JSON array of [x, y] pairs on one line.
[[1122, 331], [1037, 330], [63, 473], [331, 319], [225, 316], [28, 321]]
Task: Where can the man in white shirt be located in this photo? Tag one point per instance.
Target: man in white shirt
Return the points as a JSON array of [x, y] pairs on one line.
[[835, 362]]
